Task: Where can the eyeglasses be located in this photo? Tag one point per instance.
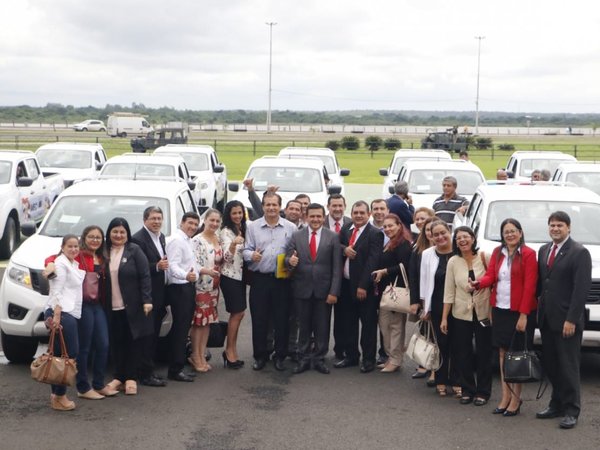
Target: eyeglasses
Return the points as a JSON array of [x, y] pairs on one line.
[[94, 238], [509, 232]]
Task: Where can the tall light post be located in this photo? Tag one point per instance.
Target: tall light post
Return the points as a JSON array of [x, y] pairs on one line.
[[479, 38], [270, 24]]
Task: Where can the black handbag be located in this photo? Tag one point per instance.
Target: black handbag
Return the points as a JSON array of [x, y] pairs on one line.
[[217, 334], [521, 366]]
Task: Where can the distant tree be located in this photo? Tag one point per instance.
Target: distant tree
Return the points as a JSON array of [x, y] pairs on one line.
[[510, 147], [373, 143], [392, 144], [333, 145], [350, 143]]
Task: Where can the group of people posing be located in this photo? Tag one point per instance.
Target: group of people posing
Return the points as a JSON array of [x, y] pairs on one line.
[[306, 260]]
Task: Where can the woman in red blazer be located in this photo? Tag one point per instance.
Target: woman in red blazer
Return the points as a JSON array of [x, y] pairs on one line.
[[512, 274]]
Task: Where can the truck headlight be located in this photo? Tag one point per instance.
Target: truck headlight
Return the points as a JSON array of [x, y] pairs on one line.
[[20, 275], [203, 186]]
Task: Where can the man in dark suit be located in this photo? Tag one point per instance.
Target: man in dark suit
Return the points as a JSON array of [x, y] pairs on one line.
[[361, 246], [313, 255], [399, 204], [564, 282], [152, 242]]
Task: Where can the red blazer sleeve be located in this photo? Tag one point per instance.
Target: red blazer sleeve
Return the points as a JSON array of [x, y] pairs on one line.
[[491, 274], [528, 301]]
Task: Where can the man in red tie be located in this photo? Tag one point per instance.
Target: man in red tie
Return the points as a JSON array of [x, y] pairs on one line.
[[336, 207], [362, 245], [313, 256]]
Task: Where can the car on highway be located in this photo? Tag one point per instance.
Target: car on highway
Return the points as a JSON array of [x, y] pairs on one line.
[[72, 160], [90, 125], [531, 204], [582, 174], [207, 172], [336, 174], [400, 157], [521, 164], [293, 176], [24, 291]]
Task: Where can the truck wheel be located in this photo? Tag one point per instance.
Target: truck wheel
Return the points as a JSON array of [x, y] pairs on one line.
[[10, 239], [19, 349], [103, 130], [123, 134]]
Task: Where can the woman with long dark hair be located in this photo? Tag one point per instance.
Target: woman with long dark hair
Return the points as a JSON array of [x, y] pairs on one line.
[[129, 302], [470, 314], [232, 238], [512, 274], [392, 324]]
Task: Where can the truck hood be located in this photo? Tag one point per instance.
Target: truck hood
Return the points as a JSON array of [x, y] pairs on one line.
[[34, 250], [72, 174], [5, 188]]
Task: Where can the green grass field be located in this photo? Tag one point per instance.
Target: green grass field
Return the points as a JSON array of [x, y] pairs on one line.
[[237, 150]]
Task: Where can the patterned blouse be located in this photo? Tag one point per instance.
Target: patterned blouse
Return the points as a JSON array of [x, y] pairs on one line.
[[207, 256], [232, 262]]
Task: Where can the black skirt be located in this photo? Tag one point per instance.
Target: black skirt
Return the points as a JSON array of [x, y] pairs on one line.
[[504, 324], [234, 294]]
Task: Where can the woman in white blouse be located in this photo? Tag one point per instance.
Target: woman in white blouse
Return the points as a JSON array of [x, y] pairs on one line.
[[233, 232], [63, 309]]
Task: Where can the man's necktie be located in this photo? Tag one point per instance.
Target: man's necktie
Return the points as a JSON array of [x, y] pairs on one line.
[[337, 227], [552, 256], [313, 246], [353, 237]]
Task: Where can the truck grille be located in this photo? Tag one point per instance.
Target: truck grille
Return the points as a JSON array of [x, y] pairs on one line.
[[38, 282]]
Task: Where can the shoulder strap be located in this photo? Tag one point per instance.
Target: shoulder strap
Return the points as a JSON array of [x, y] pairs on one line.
[[404, 277]]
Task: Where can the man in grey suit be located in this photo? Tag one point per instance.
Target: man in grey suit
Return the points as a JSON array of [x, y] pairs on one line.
[[313, 256], [564, 282]]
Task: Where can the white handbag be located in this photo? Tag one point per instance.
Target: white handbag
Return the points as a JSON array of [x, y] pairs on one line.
[[423, 349], [396, 298]]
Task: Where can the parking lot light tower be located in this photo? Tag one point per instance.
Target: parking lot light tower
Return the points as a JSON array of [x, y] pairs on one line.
[[270, 24], [479, 38]]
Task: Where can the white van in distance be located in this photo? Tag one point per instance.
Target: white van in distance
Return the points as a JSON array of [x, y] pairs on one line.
[[127, 124]]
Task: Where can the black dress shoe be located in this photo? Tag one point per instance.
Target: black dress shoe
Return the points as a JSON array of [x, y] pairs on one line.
[[498, 410], [259, 364], [301, 367], [568, 422], [509, 413], [480, 401], [382, 359], [153, 381], [339, 356], [180, 376], [321, 368], [548, 413], [367, 367], [465, 400], [346, 362], [278, 363], [418, 374]]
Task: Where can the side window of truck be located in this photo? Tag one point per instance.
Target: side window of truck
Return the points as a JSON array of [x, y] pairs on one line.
[[32, 168]]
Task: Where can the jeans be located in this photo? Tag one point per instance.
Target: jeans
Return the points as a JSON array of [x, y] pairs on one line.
[[93, 335], [71, 335]]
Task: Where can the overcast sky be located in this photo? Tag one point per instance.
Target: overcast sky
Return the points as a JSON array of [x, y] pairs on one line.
[[537, 56]]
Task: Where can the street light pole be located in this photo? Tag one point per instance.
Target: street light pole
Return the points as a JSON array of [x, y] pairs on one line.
[[479, 38], [270, 24]]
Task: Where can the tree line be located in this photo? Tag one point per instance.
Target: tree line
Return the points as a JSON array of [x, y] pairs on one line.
[[58, 113]]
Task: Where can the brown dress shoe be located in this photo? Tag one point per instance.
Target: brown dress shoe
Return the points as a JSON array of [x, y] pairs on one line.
[[62, 403], [90, 395]]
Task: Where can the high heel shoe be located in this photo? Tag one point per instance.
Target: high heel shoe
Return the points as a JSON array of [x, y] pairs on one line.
[[509, 413], [231, 364], [198, 368]]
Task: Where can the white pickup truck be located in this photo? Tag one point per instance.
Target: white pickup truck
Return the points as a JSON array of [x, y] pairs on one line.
[[25, 196], [73, 161], [24, 291]]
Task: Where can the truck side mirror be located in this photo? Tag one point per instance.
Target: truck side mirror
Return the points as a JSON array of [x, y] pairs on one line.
[[24, 181]]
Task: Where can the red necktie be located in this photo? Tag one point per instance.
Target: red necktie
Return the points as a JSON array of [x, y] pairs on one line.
[[337, 227], [353, 237], [552, 256], [313, 245]]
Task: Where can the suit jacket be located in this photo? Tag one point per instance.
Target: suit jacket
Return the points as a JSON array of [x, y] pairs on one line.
[[564, 288], [143, 239], [345, 221], [321, 277], [368, 250], [403, 210], [134, 281]]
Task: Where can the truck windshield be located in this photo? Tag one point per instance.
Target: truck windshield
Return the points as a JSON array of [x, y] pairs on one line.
[[430, 181], [64, 159], [529, 165], [196, 162], [590, 180], [73, 214], [5, 167], [289, 179], [133, 170], [533, 216]]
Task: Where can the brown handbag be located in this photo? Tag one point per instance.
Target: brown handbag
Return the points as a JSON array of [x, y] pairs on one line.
[[51, 369]]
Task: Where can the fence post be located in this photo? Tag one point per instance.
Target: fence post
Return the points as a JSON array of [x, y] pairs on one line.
[[253, 148], [533, 147], [17, 142], [493, 152], [575, 151], [215, 144]]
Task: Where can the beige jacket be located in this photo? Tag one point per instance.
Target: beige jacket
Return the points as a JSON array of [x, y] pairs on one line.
[[456, 289]]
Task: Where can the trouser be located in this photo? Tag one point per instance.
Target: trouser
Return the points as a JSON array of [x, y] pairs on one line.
[[269, 297], [158, 314], [355, 312], [126, 350], [393, 328], [463, 357], [294, 327], [182, 298], [314, 318], [93, 335], [71, 337], [442, 375], [561, 358]]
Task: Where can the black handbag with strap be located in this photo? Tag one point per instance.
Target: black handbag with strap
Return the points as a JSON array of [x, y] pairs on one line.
[[521, 366]]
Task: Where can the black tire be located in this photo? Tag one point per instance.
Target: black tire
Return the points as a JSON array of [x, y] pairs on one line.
[[102, 130], [19, 349], [10, 238], [123, 134], [84, 129]]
